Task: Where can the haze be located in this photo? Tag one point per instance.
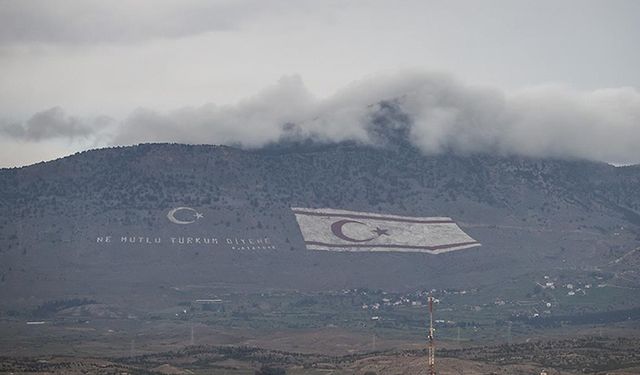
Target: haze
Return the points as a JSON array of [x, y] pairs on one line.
[[540, 78]]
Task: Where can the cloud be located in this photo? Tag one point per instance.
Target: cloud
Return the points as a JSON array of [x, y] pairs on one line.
[[434, 112], [97, 21], [431, 111], [559, 121], [255, 121], [54, 123]]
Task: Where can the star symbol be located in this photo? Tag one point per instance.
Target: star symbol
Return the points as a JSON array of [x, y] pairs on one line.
[[381, 232], [199, 215]]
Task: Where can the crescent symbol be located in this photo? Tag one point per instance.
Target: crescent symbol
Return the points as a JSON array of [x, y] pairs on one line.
[[172, 218], [336, 228]]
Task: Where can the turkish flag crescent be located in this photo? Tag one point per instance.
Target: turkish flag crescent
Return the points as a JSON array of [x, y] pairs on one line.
[[341, 230]]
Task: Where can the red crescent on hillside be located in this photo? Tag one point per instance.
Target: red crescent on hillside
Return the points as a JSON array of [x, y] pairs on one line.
[[336, 228]]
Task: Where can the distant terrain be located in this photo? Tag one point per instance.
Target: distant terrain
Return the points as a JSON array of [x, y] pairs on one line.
[[88, 255], [589, 355]]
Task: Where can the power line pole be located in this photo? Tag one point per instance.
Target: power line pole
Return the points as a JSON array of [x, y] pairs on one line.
[[132, 347]]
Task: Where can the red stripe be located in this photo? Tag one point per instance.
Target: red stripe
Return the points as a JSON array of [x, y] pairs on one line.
[[383, 218], [437, 247]]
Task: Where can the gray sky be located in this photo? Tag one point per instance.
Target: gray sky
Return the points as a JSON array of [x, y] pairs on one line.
[[544, 78]]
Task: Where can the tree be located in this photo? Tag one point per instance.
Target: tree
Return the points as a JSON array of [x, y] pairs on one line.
[[268, 370]]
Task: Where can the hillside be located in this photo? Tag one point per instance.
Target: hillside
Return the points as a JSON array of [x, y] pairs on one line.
[[533, 217]]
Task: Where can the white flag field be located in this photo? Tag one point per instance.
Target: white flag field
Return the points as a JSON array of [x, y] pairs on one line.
[[341, 230]]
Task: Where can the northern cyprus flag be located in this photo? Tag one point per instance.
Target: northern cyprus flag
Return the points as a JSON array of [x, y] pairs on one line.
[[341, 230]]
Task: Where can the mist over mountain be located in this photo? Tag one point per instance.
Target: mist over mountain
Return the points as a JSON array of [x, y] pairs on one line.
[[307, 187], [434, 112]]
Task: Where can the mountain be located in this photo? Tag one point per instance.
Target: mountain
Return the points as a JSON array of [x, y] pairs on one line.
[[94, 225]]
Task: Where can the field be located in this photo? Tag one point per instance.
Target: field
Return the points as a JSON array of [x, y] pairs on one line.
[[339, 332], [585, 355]]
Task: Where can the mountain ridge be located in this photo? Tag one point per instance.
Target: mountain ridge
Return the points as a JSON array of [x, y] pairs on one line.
[[530, 214]]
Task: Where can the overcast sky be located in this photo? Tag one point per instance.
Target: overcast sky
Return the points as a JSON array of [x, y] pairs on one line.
[[542, 78]]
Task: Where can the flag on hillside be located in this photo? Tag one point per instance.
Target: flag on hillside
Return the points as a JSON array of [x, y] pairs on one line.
[[341, 230]]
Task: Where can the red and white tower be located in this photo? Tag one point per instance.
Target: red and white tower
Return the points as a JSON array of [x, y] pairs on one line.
[[432, 349]]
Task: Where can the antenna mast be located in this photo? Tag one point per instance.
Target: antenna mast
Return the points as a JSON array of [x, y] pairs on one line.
[[432, 349]]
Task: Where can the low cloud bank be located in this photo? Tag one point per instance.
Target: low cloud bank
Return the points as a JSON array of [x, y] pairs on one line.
[[54, 123], [434, 112]]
